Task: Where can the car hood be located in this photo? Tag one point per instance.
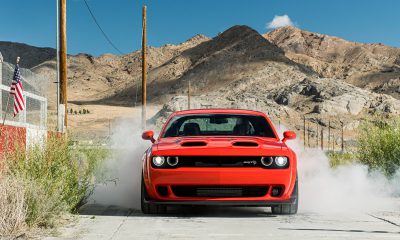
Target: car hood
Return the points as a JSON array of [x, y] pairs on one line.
[[217, 146]]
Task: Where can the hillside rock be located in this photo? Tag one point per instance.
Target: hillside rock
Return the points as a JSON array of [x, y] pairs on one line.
[[363, 65]]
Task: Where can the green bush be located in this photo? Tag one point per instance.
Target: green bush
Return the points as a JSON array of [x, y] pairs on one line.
[[84, 111], [339, 158], [58, 178], [379, 145]]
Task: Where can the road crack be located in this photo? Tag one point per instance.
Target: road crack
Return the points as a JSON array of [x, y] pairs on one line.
[[385, 220], [120, 225]]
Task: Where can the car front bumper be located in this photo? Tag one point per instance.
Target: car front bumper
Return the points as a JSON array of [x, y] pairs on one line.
[[241, 177]]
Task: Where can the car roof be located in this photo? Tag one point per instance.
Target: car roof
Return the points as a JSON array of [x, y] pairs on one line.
[[218, 110]]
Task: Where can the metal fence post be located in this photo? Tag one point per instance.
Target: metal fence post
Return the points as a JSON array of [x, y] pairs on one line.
[[329, 134], [322, 139], [317, 135], [342, 136], [308, 134], [43, 114], [304, 131]]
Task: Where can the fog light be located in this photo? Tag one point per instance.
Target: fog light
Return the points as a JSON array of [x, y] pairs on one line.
[[158, 161], [276, 191]]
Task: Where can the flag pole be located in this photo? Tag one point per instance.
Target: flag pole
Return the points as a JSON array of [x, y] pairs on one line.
[[8, 101]]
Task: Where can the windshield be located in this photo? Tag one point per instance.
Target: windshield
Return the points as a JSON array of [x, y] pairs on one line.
[[219, 125]]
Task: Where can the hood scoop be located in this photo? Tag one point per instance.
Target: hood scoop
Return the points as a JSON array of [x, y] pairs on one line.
[[194, 144], [245, 144]]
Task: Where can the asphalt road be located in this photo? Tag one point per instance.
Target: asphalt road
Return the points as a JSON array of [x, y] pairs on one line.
[[110, 222]]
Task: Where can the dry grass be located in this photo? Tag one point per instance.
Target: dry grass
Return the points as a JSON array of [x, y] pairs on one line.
[[12, 205], [45, 182]]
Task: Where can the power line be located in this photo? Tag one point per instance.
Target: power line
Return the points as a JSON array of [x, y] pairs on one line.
[[98, 25]]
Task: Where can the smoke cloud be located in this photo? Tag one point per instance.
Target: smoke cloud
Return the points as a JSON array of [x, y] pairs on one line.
[[123, 175], [346, 189], [322, 189]]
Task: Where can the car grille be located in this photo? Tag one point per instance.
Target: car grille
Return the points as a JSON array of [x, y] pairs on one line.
[[219, 161], [219, 191]]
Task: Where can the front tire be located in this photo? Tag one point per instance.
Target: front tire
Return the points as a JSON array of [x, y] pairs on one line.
[[147, 207], [288, 209]]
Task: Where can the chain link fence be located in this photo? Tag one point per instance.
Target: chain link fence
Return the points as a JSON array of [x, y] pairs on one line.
[[35, 95]]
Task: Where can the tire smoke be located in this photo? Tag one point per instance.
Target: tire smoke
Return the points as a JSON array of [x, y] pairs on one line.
[[344, 189], [123, 169]]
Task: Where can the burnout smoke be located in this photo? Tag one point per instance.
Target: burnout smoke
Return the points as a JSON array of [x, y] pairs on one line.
[[124, 167], [345, 189]]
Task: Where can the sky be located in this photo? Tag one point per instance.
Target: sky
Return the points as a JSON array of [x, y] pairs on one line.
[[174, 21]]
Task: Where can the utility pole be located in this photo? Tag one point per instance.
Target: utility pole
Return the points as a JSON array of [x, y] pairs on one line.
[[144, 68], [63, 59], [59, 123], [188, 91]]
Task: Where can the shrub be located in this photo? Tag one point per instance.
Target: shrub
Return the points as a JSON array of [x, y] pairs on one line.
[[87, 111], [57, 178], [339, 158], [71, 111], [80, 112], [84, 111], [379, 146], [75, 112]]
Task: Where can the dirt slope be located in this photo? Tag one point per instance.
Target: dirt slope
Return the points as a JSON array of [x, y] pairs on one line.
[[371, 66]]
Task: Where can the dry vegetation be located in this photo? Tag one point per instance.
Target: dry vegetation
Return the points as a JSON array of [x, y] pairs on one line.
[[12, 205], [41, 184]]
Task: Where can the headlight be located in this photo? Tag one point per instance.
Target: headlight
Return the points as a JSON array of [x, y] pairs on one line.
[[281, 161], [158, 161], [172, 161], [267, 161]]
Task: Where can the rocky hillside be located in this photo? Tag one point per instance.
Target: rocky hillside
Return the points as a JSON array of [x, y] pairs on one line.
[[289, 73], [30, 55], [374, 67]]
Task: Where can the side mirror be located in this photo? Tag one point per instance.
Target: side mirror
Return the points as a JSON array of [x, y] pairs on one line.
[[288, 135], [148, 135]]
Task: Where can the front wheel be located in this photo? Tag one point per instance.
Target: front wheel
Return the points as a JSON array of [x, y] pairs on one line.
[[147, 207], [288, 209]]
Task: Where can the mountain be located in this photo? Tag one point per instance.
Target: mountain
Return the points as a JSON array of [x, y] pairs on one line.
[[374, 67], [288, 73], [30, 55]]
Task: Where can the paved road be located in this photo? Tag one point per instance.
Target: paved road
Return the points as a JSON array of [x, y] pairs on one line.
[[110, 222]]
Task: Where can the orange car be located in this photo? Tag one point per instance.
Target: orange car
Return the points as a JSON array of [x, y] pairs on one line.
[[226, 157]]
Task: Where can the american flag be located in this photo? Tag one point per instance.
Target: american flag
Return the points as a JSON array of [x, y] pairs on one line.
[[16, 90]]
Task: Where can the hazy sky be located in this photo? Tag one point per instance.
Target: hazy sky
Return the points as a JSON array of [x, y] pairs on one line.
[[173, 21]]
